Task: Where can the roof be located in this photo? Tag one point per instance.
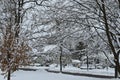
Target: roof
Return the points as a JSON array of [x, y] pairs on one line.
[[48, 48], [75, 61]]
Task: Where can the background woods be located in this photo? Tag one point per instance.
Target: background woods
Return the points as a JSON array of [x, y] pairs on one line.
[[62, 32]]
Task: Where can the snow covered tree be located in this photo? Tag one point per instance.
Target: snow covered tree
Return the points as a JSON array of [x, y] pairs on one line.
[[14, 47], [103, 15], [92, 14], [110, 29]]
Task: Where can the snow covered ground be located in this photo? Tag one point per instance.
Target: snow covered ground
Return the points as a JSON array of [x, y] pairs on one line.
[[105, 72], [41, 74]]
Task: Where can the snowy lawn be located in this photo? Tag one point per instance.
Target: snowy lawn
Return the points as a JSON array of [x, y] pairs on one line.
[[41, 74]]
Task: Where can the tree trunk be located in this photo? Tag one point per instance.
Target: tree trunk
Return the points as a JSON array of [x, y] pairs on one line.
[[116, 72], [119, 3], [117, 69], [9, 75], [60, 59], [87, 63]]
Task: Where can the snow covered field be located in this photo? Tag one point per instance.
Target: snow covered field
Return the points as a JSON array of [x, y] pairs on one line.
[[41, 74]]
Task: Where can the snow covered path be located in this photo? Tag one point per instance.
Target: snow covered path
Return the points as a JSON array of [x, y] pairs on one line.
[[43, 75]]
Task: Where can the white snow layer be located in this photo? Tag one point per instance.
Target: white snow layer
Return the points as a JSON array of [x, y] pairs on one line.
[[41, 74]]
